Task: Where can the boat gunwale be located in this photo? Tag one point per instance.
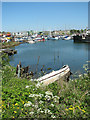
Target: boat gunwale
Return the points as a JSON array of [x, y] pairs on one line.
[[54, 74]]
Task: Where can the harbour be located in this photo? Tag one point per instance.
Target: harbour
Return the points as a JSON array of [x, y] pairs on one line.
[[51, 54]]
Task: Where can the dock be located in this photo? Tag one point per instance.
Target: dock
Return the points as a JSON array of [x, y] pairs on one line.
[[8, 51]]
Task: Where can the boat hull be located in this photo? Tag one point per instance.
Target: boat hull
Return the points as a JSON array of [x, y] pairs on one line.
[[63, 74], [31, 41], [79, 39], [68, 38]]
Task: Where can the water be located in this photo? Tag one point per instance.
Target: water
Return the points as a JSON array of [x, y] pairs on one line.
[[51, 54]]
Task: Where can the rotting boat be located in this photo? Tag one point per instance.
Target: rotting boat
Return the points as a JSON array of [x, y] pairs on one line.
[[63, 74]]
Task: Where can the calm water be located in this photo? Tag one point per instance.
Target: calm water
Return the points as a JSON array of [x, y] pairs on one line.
[[53, 54]]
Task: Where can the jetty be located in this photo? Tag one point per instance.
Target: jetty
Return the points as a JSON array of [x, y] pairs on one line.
[[8, 51]]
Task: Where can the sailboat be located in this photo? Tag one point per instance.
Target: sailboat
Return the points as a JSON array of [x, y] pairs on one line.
[[52, 37]]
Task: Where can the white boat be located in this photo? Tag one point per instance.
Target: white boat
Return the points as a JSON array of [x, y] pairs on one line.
[[16, 39], [53, 38], [31, 41], [63, 73], [67, 38]]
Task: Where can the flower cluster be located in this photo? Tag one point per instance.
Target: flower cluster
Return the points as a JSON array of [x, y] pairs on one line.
[[38, 84], [47, 111], [28, 104], [49, 96], [36, 95], [48, 93], [27, 86]]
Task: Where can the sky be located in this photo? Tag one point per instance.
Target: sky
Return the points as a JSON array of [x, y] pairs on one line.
[[24, 16]]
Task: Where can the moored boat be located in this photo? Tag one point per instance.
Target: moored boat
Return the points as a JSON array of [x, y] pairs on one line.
[[53, 38], [67, 38], [39, 39], [63, 73], [31, 41], [82, 39]]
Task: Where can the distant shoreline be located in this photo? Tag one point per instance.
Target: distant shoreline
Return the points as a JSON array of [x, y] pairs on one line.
[[10, 44]]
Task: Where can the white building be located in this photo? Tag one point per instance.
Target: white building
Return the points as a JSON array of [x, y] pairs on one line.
[[20, 34]]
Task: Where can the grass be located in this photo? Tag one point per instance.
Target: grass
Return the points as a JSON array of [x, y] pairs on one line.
[[22, 98]]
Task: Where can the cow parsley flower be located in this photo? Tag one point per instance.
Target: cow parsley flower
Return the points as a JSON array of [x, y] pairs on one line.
[[48, 97], [52, 116], [47, 111], [40, 102], [48, 93], [36, 106], [38, 85], [31, 113], [52, 105], [28, 104], [27, 86], [41, 111], [38, 110]]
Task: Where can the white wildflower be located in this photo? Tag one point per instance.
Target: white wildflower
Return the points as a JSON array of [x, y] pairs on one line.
[[48, 93], [47, 111], [80, 75], [75, 80], [52, 105], [56, 97], [32, 80], [52, 116], [33, 105], [31, 95], [36, 106], [48, 97], [85, 74], [36, 95], [56, 100], [31, 113], [38, 85], [27, 86], [40, 102], [38, 110], [35, 80], [42, 111], [41, 95], [28, 104]]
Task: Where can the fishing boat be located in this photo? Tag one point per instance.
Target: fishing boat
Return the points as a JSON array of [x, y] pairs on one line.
[[63, 73], [81, 39]]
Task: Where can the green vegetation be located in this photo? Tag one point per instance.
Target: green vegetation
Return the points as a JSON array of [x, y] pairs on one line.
[[73, 31], [22, 98], [9, 44]]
